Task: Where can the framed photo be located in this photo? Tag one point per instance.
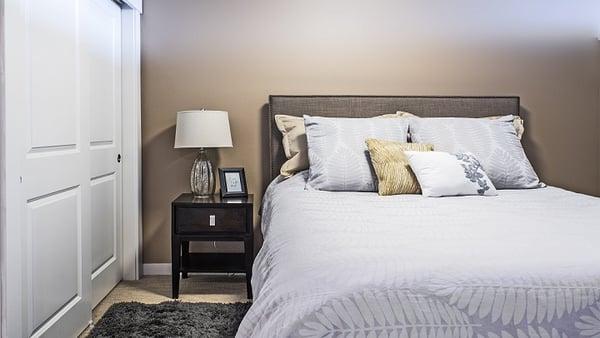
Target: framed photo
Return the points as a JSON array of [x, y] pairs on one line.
[[233, 182]]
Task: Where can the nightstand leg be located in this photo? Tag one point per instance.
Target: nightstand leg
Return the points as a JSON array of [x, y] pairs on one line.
[[249, 251], [175, 265], [185, 248]]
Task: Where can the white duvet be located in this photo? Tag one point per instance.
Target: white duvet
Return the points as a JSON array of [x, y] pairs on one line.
[[525, 263]]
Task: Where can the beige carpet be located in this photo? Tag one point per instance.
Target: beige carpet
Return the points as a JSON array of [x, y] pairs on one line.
[[156, 289]]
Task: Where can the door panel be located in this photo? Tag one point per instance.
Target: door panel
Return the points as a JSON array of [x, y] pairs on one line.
[[104, 160], [104, 220], [50, 171], [103, 61], [53, 47], [56, 228], [104, 52]]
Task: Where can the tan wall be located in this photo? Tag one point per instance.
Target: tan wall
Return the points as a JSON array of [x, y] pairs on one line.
[[232, 54]]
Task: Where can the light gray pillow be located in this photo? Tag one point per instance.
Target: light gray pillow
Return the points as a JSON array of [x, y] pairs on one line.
[[493, 142], [338, 154]]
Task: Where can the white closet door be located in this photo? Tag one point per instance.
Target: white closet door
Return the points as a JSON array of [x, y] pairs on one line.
[[55, 228], [103, 63], [63, 75]]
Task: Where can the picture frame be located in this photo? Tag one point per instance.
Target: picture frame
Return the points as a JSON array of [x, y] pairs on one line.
[[233, 182]]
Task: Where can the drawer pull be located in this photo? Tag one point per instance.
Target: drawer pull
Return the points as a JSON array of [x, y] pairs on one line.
[[211, 220]]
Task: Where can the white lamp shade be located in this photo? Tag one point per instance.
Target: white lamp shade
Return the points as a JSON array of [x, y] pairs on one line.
[[202, 129]]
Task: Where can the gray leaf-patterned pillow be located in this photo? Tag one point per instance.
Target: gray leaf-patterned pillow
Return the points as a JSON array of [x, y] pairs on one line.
[[337, 152], [493, 142]]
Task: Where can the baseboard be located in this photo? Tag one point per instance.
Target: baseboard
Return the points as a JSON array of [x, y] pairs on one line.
[[154, 269], [163, 269]]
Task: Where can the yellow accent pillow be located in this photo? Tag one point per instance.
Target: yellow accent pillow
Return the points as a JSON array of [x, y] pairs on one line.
[[391, 166], [294, 142]]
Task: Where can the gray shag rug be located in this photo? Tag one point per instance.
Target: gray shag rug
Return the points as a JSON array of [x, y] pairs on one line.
[[171, 319]]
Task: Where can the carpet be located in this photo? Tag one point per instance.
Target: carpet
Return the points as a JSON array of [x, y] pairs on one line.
[[171, 319]]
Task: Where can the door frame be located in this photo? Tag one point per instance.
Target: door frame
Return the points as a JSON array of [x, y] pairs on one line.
[[10, 169], [2, 182], [131, 140]]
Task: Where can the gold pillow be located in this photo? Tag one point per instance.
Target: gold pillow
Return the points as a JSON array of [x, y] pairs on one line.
[[391, 166], [518, 122], [294, 142]]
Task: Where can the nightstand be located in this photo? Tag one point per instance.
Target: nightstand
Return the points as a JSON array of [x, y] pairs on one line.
[[211, 219]]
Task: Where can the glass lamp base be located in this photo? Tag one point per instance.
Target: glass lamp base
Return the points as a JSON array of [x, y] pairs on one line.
[[202, 179]]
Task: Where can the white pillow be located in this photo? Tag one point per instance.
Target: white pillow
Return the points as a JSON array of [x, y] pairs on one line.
[[444, 174], [493, 142], [337, 152]]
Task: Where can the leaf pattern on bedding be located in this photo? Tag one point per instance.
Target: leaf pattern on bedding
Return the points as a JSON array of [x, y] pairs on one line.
[[504, 168], [589, 325], [415, 254], [395, 314], [473, 171], [516, 304], [493, 142], [403, 313], [338, 154], [529, 332]]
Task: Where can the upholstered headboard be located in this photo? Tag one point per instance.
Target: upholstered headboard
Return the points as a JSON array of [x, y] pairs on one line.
[[368, 106]]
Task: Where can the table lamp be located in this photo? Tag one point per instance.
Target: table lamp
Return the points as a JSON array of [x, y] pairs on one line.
[[202, 129]]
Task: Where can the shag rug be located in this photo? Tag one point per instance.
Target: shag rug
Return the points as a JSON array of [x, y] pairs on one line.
[[171, 319]]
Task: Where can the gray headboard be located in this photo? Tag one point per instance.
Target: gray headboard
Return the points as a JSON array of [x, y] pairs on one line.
[[368, 106]]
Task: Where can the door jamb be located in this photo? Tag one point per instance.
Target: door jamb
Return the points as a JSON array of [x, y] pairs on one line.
[[131, 142], [2, 183]]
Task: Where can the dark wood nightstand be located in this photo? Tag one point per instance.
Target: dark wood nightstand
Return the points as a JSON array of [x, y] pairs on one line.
[[211, 219]]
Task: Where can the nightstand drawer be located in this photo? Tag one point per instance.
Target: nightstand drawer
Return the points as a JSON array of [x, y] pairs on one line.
[[194, 220]]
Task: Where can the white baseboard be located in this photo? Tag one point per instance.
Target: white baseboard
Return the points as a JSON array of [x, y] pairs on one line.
[[154, 269], [164, 269]]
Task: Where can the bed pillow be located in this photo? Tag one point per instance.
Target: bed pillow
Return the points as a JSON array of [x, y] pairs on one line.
[[517, 122], [493, 142], [444, 174], [394, 176], [338, 154], [294, 142]]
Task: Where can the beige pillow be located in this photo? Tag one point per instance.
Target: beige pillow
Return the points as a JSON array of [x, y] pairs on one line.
[[391, 166], [294, 142], [517, 122]]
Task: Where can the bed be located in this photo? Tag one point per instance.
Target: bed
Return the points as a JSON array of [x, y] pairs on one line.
[[354, 264]]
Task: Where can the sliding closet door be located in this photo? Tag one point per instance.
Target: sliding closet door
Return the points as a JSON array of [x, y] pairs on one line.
[[103, 85], [45, 66], [63, 75]]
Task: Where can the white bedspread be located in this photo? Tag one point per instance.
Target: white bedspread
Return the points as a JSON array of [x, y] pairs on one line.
[[523, 264]]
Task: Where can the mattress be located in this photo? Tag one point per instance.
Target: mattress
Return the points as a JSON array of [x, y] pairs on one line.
[[525, 263]]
